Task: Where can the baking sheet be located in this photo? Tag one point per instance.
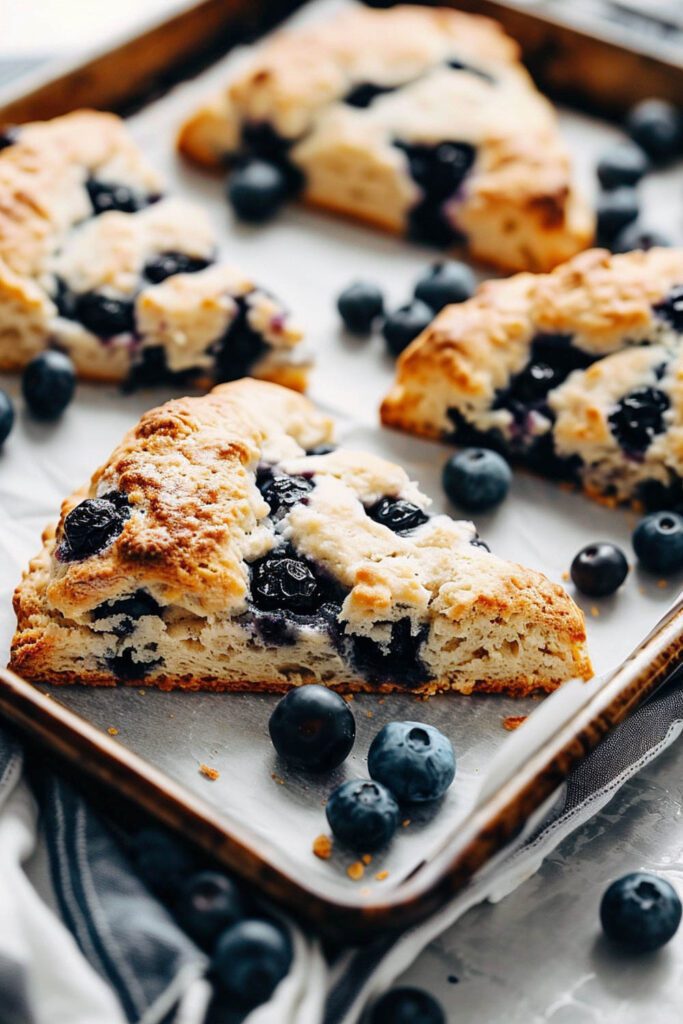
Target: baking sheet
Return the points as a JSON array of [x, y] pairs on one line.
[[307, 258]]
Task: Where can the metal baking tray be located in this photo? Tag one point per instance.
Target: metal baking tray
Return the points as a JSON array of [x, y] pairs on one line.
[[256, 817]]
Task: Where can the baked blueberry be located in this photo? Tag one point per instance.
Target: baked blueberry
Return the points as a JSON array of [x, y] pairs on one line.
[[359, 305], [127, 611], [6, 416], [363, 94], [166, 264], [48, 384], [445, 283], [640, 912], [106, 196], [614, 210], [671, 308], [404, 324], [440, 169], [460, 65], [599, 569], [208, 903], [64, 299], [638, 417], [283, 581], [322, 449], [93, 524], [658, 542], [397, 660], [256, 190], [283, 492], [415, 761], [638, 236], [407, 1006], [624, 164], [656, 126], [105, 315], [312, 728], [9, 136], [127, 667], [362, 814], [250, 960], [397, 514], [240, 348], [161, 860], [477, 479]]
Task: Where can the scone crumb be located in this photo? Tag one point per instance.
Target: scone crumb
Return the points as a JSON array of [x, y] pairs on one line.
[[367, 858], [405, 823], [369, 714], [381, 876], [112, 730], [662, 584], [142, 692], [513, 722], [348, 697], [322, 847], [209, 773], [595, 611], [356, 870], [277, 778], [565, 576]]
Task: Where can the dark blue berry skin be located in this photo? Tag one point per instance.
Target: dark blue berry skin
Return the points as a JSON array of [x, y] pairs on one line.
[[638, 236], [398, 515], [312, 729], [250, 960], [657, 128], [48, 384], [399, 661], [599, 569], [161, 860], [445, 283], [407, 1006], [638, 417], [105, 315], [6, 416], [365, 93], [640, 912], [208, 903], [415, 761], [476, 479], [614, 210], [166, 264], [658, 542], [257, 190], [624, 164], [359, 306], [671, 308], [322, 449], [106, 196], [283, 581], [9, 136], [404, 324], [362, 814], [92, 525], [283, 492]]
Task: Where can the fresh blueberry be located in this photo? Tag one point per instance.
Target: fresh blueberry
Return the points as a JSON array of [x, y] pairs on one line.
[[445, 283], [407, 1006], [415, 761], [640, 912], [6, 416], [403, 326], [362, 814], [283, 581], [92, 525], [166, 264], [257, 190], [312, 728], [599, 569], [251, 959], [658, 542], [208, 903], [657, 128], [397, 514], [614, 210], [637, 236], [161, 860], [359, 305], [283, 492], [624, 164], [106, 196], [105, 315], [48, 384], [671, 308], [638, 417], [477, 479]]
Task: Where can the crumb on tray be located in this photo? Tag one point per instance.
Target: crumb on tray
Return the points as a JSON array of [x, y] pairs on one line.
[[356, 870], [513, 722], [381, 876], [322, 847], [112, 730], [209, 773]]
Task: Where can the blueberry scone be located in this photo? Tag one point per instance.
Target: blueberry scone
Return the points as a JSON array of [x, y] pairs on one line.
[[421, 121], [96, 261], [227, 545], [578, 373]]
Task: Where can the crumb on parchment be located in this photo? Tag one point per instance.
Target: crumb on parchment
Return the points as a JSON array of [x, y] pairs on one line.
[[381, 876], [513, 722], [356, 870], [209, 773], [322, 847]]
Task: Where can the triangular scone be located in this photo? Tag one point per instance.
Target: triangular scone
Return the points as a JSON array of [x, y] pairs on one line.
[[579, 373], [419, 120], [216, 550], [96, 261]]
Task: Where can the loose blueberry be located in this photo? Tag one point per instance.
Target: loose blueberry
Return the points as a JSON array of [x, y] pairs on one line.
[[169, 263], [93, 524], [283, 581], [257, 190], [614, 210], [624, 164], [312, 728], [362, 814], [48, 384], [599, 569], [637, 236], [638, 417], [209, 902], [284, 492], [359, 305], [640, 912], [477, 479], [671, 308], [161, 860], [658, 542], [403, 326], [415, 761], [407, 1006], [106, 196], [397, 514], [445, 283], [250, 961], [656, 126], [105, 315], [6, 416]]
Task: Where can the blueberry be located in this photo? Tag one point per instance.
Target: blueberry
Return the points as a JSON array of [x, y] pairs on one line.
[[398, 515], [312, 728], [638, 417], [6, 416], [283, 492], [407, 1006], [283, 581], [48, 384], [208, 903], [322, 449], [64, 299], [9, 136], [415, 761], [360, 304], [658, 542], [403, 326], [365, 93], [445, 283], [599, 569], [640, 912], [93, 524], [105, 315], [257, 190], [397, 660], [362, 814], [132, 609], [251, 959], [671, 308], [440, 169], [106, 196], [657, 127], [166, 264], [614, 211], [637, 236], [624, 164], [477, 479], [161, 860]]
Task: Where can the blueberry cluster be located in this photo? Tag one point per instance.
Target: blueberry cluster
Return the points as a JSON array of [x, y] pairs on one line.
[[92, 525]]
